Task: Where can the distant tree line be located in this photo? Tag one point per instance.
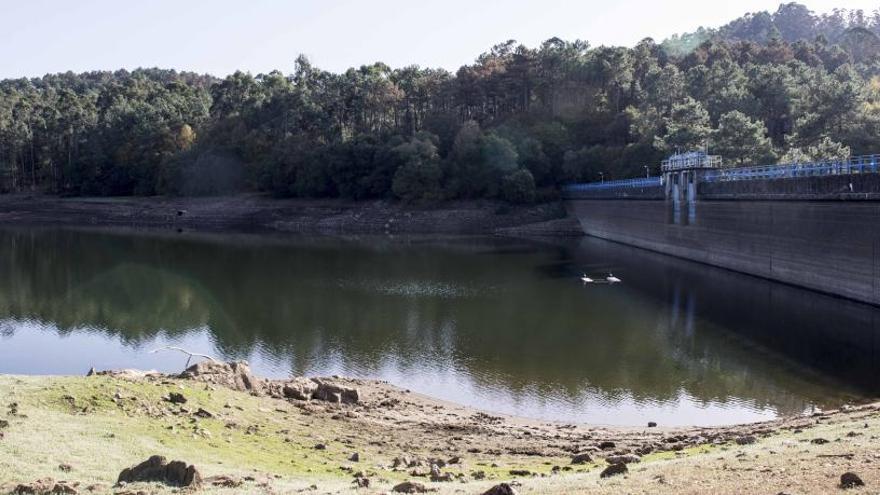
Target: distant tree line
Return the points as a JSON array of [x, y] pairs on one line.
[[514, 125]]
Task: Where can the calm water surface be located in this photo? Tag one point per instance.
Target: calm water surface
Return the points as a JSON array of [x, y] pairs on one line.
[[503, 325]]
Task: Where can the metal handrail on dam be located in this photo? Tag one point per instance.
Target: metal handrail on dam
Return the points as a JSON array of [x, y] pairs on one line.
[[854, 165], [614, 184], [865, 164]]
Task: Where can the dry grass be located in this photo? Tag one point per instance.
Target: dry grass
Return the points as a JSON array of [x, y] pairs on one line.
[[101, 425]]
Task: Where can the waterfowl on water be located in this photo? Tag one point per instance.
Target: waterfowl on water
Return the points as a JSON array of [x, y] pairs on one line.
[[612, 279], [585, 279]]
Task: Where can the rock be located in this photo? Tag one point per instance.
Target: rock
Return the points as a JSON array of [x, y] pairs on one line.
[[63, 489], [354, 457], [850, 480], [314, 388], [409, 487], [819, 441], [442, 478], [299, 389], [479, 475], [320, 446], [406, 461], [202, 413], [606, 445], [362, 482], [652, 424], [582, 458], [420, 472], [502, 489], [157, 469], [45, 486], [333, 392], [224, 481], [4, 424], [614, 470], [454, 460], [623, 459], [746, 440], [520, 472], [176, 398], [236, 375]]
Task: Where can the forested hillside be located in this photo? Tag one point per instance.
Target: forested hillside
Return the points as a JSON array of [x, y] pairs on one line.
[[514, 125]]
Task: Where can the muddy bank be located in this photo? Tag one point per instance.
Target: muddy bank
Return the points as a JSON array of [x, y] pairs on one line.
[[256, 213]]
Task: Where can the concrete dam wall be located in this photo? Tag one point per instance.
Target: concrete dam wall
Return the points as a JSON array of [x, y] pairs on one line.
[[830, 245]]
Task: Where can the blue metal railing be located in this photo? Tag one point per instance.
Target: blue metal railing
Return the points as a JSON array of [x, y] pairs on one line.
[[867, 164], [614, 184]]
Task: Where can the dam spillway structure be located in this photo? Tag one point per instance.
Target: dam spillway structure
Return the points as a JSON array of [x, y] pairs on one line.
[[815, 225]]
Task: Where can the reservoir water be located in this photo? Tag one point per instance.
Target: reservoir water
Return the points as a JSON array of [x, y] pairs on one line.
[[500, 324]]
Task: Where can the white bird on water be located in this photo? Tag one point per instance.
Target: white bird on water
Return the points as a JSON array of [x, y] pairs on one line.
[[612, 279], [585, 279]]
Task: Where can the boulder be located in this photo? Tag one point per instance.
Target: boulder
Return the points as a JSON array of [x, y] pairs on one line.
[[314, 388], [409, 487], [502, 489], [299, 389], [46, 486], [204, 413], [406, 461], [582, 458], [176, 398], [623, 459], [614, 470], [746, 440], [334, 392], [850, 480], [157, 469], [236, 375], [606, 445]]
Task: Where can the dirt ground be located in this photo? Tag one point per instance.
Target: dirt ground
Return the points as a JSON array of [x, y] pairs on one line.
[[271, 444], [253, 212]]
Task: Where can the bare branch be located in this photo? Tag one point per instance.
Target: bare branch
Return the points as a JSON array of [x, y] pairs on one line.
[[190, 354]]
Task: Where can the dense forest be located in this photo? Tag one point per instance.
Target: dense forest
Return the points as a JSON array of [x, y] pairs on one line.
[[514, 125]]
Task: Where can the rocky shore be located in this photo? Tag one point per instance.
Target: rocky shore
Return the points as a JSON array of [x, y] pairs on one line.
[[257, 213], [217, 428]]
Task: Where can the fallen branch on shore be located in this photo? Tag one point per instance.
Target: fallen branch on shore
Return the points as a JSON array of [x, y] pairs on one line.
[[188, 353]]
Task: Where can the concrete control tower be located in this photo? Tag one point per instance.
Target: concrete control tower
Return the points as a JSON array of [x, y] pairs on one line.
[[681, 173]]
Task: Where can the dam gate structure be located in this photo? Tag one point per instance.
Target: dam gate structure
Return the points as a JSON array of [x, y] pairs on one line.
[[815, 225]]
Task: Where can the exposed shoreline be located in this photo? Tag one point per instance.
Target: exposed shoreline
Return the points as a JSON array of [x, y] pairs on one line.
[[259, 213], [257, 426]]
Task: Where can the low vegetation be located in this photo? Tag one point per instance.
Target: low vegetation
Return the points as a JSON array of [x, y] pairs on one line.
[[82, 432]]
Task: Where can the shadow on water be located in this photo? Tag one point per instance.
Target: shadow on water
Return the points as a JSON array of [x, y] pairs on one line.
[[501, 324]]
